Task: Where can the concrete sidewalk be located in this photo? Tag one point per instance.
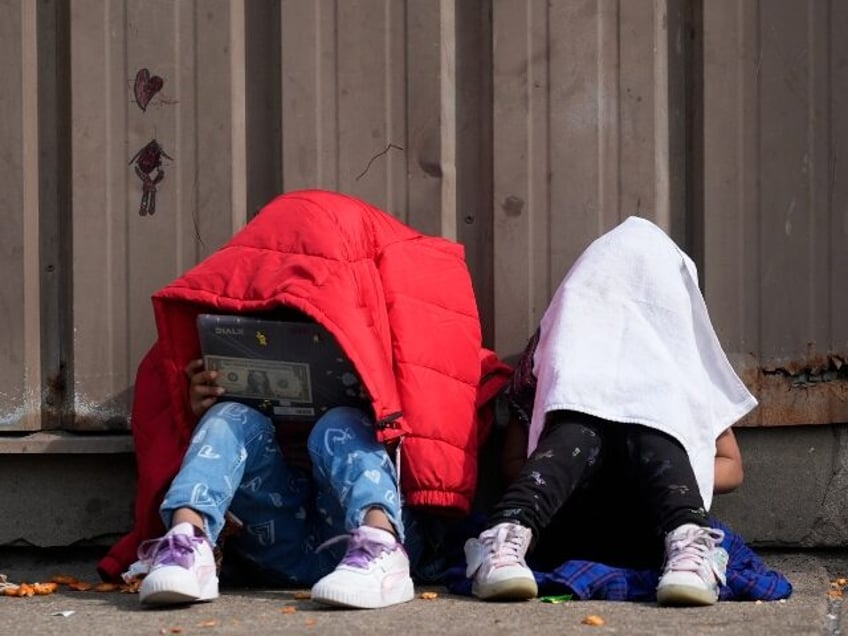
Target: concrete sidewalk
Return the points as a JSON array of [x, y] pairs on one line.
[[810, 610]]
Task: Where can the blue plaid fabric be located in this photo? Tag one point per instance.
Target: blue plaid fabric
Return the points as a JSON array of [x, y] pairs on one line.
[[748, 578]]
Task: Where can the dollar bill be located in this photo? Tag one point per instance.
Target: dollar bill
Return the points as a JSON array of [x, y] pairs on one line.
[[263, 379]]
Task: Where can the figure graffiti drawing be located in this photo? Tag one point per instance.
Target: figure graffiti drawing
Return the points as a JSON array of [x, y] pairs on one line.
[[146, 86], [148, 167]]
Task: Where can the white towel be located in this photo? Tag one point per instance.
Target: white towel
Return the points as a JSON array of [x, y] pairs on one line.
[[627, 338]]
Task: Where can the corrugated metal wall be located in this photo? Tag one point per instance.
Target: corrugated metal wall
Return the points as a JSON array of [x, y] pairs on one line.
[[157, 175], [137, 135], [583, 122], [774, 203], [22, 281]]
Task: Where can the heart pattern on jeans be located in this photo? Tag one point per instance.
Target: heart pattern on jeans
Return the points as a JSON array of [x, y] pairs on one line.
[[253, 485], [146, 86], [200, 495], [207, 452]]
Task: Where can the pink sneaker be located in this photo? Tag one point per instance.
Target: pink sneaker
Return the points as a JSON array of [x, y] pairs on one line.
[[695, 566], [182, 570], [496, 564], [373, 573]]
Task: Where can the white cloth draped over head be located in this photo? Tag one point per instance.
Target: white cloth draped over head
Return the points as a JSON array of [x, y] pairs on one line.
[[627, 338]]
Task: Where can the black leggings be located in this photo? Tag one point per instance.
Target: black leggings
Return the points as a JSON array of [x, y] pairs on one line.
[[603, 491]]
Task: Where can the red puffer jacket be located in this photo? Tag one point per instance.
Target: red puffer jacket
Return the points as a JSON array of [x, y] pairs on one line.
[[400, 304]]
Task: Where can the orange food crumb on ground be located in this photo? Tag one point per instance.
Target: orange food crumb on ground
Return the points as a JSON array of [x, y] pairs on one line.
[[289, 609], [42, 589], [303, 596], [80, 586], [31, 589], [594, 620], [428, 596], [64, 579]]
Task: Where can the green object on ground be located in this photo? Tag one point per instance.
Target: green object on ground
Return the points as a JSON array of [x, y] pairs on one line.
[[556, 599]]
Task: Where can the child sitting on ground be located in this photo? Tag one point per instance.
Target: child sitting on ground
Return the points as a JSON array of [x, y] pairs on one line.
[[288, 508], [402, 308], [623, 400]]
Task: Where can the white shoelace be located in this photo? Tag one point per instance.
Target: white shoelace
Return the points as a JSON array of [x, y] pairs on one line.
[[504, 544], [692, 548]]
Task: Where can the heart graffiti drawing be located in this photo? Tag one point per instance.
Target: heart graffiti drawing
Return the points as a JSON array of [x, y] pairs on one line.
[[146, 86]]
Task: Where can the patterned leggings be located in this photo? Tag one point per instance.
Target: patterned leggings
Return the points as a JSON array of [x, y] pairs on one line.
[[600, 490]]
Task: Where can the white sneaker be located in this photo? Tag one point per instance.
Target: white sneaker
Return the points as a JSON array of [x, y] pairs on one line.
[[496, 562], [182, 568], [373, 573], [694, 567]]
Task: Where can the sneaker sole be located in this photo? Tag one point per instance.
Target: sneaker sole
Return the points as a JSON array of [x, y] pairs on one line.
[[169, 597], [509, 590], [174, 592], [685, 595], [353, 600]]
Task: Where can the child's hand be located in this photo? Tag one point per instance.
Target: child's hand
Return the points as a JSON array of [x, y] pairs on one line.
[[202, 390]]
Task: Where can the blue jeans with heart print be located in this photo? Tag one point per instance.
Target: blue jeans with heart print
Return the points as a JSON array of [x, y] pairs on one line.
[[235, 464]]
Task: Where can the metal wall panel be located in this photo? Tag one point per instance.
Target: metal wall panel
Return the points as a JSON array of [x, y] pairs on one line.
[[368, 104], [522, 128], [775, 221], [343, 107], [167, 106], [581, 140], [390, 101], [157, 171], [20, 393]]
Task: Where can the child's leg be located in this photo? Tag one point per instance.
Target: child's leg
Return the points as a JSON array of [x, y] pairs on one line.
[[358, 494], [234, 464], [567, 455], [353, 472], [695, 564], [665, 477]]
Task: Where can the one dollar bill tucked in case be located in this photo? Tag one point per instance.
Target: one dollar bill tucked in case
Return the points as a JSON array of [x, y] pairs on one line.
[[262, 379]]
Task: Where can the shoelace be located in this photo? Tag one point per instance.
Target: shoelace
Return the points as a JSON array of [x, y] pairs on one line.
[[174, 549], [504, 544], [361, 551], [693, 548]]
